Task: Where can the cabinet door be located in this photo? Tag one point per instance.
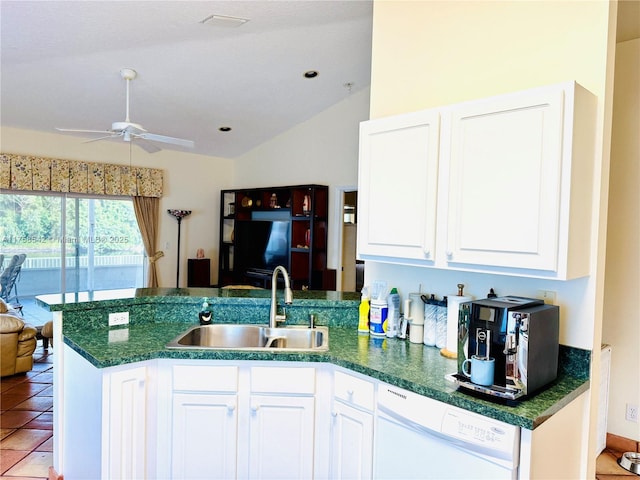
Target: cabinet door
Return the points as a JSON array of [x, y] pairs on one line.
[[505, 180], [351, 443], [397, 186], [281, 437], [204, 436], [124, 429]]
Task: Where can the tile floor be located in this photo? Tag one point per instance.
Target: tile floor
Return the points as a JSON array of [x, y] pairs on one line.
[[26, 426], [26, 420]]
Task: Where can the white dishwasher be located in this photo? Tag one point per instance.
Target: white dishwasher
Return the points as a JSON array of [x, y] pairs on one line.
[[418, 437]]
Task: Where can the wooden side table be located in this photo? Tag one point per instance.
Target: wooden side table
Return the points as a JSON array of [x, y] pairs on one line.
[[198, 272]]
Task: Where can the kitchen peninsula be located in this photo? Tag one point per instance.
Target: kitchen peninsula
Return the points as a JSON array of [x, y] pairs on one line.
[[129, 370]]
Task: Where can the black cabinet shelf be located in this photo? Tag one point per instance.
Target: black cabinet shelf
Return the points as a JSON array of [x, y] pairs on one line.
[[303, 207]]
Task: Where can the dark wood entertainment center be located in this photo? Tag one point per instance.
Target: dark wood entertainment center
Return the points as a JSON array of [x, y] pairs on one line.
[[260, 227]]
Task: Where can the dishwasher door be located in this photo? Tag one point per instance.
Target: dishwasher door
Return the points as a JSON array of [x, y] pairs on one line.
[[417, 437]]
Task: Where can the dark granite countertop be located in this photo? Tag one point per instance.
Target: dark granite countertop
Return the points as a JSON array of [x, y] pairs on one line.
[[415, 367]]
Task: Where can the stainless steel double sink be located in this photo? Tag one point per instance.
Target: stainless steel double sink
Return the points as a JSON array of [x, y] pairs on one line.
[[252, 337]]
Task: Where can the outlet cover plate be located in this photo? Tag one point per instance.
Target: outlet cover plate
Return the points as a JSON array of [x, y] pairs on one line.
[[118, 318], [549, 296]]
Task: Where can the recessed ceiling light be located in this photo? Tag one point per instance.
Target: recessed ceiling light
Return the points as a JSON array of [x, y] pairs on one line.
[[225, 129], [311, 74], [224, 21]]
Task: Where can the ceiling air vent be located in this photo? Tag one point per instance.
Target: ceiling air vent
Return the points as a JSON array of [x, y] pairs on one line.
[[224, 21]]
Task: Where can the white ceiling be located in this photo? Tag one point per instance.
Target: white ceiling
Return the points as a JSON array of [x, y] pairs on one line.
[[61, 62]]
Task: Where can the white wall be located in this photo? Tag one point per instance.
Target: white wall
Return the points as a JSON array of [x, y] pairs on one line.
[[621, 323], [322, 150], [191, 182], [434, 53]]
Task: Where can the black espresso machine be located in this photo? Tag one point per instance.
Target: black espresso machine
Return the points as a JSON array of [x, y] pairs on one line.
[[522, 334]]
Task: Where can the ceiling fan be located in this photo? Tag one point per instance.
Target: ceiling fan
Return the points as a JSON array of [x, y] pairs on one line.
[[130, 131]]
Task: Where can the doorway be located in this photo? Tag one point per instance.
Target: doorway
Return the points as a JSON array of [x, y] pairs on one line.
[[352, 270]]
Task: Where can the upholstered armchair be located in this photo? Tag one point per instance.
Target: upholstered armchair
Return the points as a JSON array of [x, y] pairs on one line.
[[17, 343]]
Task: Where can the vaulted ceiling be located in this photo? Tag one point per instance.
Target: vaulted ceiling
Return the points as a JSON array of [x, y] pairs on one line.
[[61, 63], [199, 66]]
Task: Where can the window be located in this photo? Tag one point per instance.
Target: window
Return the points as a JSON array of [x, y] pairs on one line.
[[72, 242]]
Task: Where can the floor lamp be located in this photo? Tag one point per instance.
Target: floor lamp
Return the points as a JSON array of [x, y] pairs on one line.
[[178, 215]]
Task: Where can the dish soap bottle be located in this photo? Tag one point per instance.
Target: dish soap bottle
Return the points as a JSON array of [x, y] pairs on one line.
[[206, 314], [363, 312]]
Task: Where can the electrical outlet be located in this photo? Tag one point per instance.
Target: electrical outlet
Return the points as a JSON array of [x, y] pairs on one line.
[[548, 296], [632, 413], [119, 318]]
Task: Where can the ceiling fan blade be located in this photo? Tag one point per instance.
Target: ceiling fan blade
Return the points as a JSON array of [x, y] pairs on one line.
[[113, 135], [147, 146], [163, 138], [76, 130]]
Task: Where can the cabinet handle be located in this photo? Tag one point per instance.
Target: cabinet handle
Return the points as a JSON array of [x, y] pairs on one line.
[[254, 408], [231, 408], [334, 413], [350, 393], [449, 254], [427, 253]]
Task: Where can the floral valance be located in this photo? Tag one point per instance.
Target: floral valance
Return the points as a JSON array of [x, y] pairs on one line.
[[26, 172]]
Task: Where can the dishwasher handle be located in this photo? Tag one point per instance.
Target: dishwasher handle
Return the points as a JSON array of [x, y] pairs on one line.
[[468, 447]]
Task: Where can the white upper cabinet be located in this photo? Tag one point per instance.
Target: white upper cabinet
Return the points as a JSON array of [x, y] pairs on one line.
[[517, 198], [397, 186], [514, 185]]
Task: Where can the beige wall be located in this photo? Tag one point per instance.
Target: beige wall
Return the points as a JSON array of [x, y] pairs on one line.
[[430, 53], [322, 150], [191, 182], [621, 324]]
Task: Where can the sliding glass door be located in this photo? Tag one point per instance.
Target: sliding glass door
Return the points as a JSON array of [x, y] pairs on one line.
[[72, 243]]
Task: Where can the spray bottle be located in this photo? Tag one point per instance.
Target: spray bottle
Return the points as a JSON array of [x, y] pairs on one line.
[[393, 313]]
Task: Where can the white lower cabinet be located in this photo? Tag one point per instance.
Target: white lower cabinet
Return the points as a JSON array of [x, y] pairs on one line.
[[281, 434], [105, 419], [352, 442], [125, 407], [352, 428], [281, 422], [190, 419], [204, 436], [203, 428], [240, 421]]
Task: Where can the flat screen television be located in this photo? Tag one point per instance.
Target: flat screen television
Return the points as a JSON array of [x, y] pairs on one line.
[[261, 245]]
